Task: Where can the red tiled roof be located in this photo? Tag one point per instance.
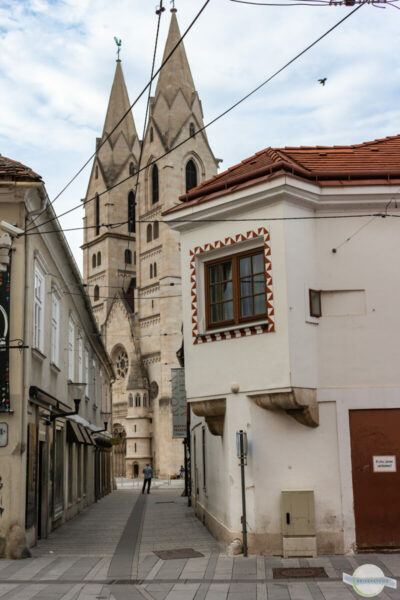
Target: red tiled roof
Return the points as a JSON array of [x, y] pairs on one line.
[[16, 171], [369, 163]]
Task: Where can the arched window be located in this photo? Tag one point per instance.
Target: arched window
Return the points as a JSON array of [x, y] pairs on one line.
[[151, 271], [137, 400], [96, 293], [96, 172], [93, 261], [131, 213], [191, 175], [149, 233], [191, 130], [154, 183], [156, 230], [155, 269], [144, 400], [130, 401], [128, 257], [151, 134], [97, 214], [98, 259], [131, 168], [134, 258]]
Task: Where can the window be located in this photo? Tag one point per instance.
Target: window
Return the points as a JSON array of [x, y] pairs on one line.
[[148, 233], [156, 230], [38, 308], [134, 428], [121, 361], [145, 400], [137, 400], [155, 269], [131, 402], [98, 259], [191, 130], [134, 258], [71, 349], [135, 447], [151, 271], [94, 261], [97, 214], [131, 169], [315, 303], [55, 327], [151, 134], [154, 184], [128, 257], [131, 213], [235, 289], [96, 293], [96, 172], [80, 359], [86, 372], [191, 175]]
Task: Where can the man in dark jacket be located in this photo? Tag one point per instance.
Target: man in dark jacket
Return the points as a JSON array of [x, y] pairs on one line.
[[147, 472]]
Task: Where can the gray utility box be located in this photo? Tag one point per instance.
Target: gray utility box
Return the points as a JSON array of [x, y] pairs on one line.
[[298, 523]]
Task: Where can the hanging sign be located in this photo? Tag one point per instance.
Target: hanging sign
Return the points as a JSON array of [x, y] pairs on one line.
[[5, 339], [178, 403]]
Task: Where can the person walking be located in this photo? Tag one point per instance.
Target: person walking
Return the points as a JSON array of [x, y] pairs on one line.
[[147, 472]]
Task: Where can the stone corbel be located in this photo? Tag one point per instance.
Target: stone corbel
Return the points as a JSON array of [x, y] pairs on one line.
[[214, 413], [299, 403]]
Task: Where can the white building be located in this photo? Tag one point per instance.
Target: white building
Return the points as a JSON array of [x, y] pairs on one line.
[[291, 313], [51, 465]]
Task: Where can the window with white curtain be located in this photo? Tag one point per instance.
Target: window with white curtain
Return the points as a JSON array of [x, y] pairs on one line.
[[71, 349], [86, 372], [80, 359], [55, 327], [38, 308]]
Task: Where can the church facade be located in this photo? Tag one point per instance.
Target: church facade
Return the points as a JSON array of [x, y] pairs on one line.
[[132, 258]]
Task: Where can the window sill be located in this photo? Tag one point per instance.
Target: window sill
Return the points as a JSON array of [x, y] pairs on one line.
[[38, 354], [235, 331], [54, 368]]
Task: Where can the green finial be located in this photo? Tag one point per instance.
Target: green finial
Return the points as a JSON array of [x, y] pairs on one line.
[[119, 44]]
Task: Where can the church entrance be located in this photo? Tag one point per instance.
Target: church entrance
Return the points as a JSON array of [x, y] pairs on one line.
[[119, 434]]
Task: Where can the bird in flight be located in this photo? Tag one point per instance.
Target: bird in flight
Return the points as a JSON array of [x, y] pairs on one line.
[[322, 81]]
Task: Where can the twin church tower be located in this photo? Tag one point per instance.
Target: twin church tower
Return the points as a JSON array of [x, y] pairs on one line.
[[131, 259]]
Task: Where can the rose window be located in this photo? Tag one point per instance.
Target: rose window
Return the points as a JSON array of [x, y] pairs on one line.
[[122, 364]]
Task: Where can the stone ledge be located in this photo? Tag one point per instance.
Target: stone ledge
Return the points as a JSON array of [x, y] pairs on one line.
[[299, 403], [214, 413]]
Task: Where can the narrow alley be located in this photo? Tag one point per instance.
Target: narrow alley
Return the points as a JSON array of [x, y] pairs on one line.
[[129, 546]]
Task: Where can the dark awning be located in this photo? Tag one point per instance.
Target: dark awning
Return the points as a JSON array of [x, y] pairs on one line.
[[103, 442], [85, 433], [74, 433]]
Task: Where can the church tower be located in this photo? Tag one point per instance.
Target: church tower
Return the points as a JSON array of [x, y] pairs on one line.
[[142, 320]]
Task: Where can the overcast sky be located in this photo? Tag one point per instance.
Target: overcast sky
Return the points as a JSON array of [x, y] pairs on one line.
[[57, 62]]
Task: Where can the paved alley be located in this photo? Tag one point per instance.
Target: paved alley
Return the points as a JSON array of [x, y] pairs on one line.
[[114, 551]]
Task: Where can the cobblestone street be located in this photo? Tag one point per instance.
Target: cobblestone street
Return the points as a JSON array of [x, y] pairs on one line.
[[108, 552]]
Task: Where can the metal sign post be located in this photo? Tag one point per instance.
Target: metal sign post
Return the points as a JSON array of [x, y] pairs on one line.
[[241, 450]]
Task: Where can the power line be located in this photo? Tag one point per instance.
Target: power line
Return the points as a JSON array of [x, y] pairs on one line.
[[160, 11], [220, 116], [134, 103]]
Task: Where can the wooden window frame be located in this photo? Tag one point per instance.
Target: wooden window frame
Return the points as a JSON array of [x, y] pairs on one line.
[[312, 313], [237, 319]]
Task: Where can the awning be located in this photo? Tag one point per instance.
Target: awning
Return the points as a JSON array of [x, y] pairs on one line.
[[85, 434], [74, 433]]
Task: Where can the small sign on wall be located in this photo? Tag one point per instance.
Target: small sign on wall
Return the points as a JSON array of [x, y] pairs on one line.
[[384, 464]]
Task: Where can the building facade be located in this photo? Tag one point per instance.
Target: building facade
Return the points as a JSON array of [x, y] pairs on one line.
[[290, 312], [132, 260], [55, 372]]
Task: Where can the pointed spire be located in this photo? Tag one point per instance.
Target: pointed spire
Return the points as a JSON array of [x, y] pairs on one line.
[[118, 105], [176, 73]]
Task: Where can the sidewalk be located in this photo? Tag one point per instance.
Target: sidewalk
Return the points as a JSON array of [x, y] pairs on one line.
[[108, 553]]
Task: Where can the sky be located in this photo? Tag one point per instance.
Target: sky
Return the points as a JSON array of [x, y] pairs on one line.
[[57, 62]]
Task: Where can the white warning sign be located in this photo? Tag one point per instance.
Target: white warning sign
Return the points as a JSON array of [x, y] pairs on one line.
[[384, 464]]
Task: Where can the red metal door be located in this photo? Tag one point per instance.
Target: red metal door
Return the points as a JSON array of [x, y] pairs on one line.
[[375, 456]]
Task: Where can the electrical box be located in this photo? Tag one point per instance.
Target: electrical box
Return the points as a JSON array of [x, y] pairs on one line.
[[298, 523]]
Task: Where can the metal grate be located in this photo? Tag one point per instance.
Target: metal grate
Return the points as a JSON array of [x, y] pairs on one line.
[[299, 573], [178, 553]]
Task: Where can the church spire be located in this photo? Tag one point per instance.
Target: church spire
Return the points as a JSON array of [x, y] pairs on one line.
[[176, 73], [118, 105]]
